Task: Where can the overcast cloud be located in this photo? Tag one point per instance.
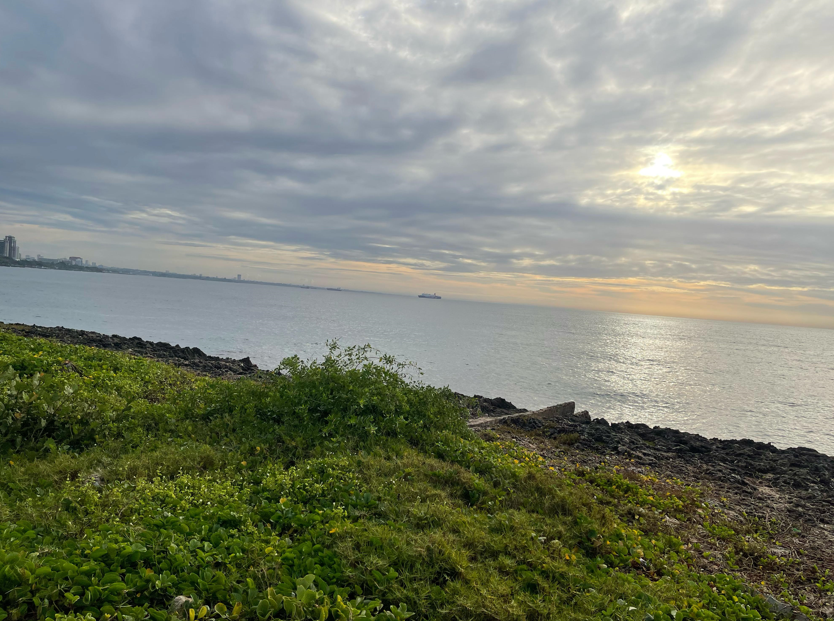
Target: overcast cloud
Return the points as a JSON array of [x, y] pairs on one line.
[[672, 157]]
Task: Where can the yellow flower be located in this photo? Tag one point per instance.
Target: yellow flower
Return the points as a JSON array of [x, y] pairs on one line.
[[515, 460], [283, 500], [332, 530], [243, 463], [11, 463]]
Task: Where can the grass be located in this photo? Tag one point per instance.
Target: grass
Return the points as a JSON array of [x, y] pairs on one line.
[[341, 489]]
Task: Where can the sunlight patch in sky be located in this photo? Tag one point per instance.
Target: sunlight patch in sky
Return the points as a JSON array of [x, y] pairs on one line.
[[661, 168]]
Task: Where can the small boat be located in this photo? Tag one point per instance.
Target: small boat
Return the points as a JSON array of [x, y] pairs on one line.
[[334, 288], [429, 296]]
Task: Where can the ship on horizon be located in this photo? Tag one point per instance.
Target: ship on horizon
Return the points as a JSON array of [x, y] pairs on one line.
[[430, 296]]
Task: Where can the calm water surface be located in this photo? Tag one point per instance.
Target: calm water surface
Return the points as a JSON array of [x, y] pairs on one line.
[[720, 379]]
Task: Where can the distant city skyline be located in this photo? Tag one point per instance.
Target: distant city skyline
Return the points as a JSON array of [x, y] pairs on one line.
[[653, 157], [10, 241]]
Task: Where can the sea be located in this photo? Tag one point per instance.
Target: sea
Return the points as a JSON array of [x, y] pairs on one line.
[[719, 379]]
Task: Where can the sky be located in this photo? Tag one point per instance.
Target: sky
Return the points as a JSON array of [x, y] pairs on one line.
[[669, 157]]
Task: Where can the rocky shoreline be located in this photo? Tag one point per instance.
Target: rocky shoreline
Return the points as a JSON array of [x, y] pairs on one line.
[[762, 512], [190, 358], [775, 506], [801, 479]]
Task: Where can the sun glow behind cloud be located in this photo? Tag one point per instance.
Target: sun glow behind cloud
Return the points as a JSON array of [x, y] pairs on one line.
[[661, 168]]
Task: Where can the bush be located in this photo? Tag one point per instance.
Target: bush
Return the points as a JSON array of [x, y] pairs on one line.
[[349, 398], [49, 402]]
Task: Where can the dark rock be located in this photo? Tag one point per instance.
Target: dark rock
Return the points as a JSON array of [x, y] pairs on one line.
[[497, 406], [484, 406], [583, 416], [190, 358], [527, 423], [564, 409]]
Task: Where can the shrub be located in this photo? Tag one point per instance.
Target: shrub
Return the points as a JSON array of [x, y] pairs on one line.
[[349, 398]]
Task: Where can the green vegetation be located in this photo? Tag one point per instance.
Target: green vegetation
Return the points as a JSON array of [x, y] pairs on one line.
[[341, 489]]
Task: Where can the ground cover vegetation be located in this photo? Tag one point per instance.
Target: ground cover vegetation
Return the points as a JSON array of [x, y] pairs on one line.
[[340, 489]]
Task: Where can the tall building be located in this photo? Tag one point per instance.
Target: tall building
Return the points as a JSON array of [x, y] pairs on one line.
[[76, 261], [10, 247]]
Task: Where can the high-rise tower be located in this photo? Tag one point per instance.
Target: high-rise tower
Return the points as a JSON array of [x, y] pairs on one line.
[[10, 247]]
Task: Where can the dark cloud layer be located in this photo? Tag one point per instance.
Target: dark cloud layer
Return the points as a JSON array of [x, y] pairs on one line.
[[453, 138]]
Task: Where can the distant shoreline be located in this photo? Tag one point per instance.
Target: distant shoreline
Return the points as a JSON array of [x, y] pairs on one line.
[[127, 271], [60, 266]]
